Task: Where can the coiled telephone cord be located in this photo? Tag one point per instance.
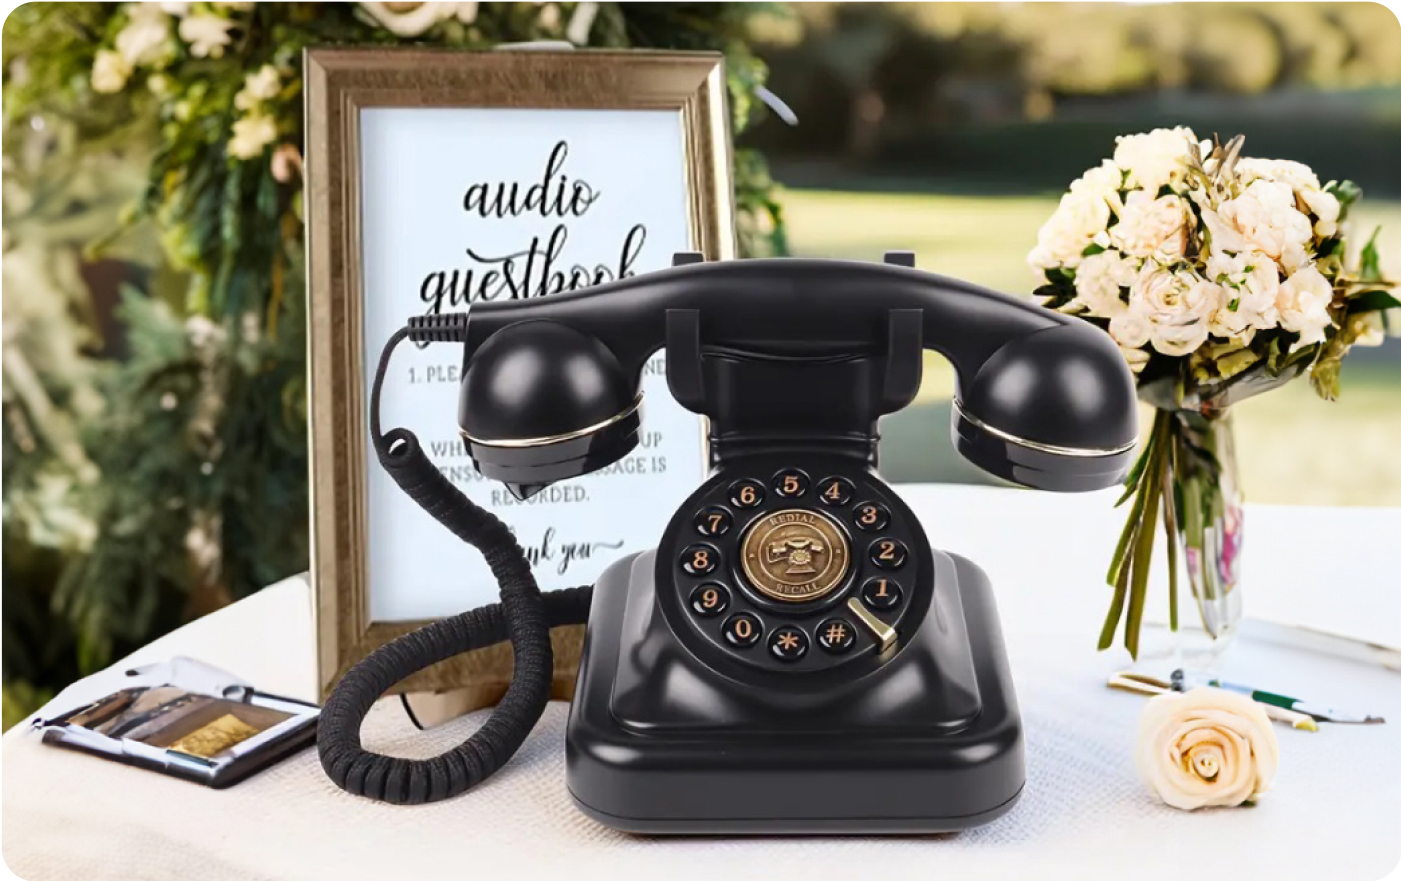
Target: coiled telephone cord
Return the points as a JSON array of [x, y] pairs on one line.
[[524, 616]]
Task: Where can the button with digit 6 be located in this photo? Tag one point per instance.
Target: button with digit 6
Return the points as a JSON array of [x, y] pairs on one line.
[[742, 630], [710, 599], [746, 493], [700, 559]]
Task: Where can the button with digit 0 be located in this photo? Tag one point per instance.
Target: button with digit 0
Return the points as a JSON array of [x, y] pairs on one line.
[[742, 630], [700, 559]]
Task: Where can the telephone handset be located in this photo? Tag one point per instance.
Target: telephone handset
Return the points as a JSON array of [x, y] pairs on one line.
[[793, 657]]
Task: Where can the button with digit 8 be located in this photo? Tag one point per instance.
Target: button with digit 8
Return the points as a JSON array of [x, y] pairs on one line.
[[742, 630], [871, 516], [746, 493], [710, 599], [888, 553], [790, 483], [700, 559], [788, 644]]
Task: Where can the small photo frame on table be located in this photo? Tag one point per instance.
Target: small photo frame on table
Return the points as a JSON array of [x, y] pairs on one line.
[[439, 178]]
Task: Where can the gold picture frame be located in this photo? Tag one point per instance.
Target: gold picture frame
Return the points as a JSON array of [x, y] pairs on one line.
[[339, 84]]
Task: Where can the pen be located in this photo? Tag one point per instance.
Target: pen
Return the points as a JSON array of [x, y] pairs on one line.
[[1322, 714]]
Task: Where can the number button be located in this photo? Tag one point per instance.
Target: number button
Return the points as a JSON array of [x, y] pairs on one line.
[[742, 630], [889, 553], [836, 636], [872, 517], [790, 483], [700, 559], [709, 600], [835, 492], [881, 593], [788, 644], [746, 493], [714, 520]]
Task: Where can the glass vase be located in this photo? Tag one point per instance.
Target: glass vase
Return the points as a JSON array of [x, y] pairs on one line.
[[1202, 510]]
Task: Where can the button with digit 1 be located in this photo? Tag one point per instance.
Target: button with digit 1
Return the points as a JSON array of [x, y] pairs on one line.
[[881, 593]]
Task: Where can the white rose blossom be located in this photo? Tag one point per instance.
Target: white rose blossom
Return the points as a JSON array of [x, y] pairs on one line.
[[262, 85], [1149, 226], [1249, 284], [1079, 219], [1263, 218], [251, 135], [110, 71], [207, 34], [1206, 747], [1137, 358], [1326, 208], [1155, 159], [143, 40], [413, 19], [1303, 302], [1098, 281], [1302, 180], [1178, 306]]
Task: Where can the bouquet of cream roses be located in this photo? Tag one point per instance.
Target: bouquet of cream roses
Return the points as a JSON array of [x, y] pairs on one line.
[[1219, 276]]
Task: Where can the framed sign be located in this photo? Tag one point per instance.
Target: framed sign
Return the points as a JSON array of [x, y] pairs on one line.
[[437, 179]]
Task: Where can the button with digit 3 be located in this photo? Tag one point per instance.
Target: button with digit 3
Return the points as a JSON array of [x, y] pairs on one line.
[[871, 516], [713, 520], [881, 593], [788, 644], [746, 493], [835, 492], [742, 630], [700, 559], [836, 636], [889, 553], [710, 599], [790, 483]]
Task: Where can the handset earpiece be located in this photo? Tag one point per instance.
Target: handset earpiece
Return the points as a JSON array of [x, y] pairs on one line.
[[1053, 409], [541, 401]]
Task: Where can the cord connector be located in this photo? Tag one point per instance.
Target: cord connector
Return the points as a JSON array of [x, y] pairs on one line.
[[447, 327]]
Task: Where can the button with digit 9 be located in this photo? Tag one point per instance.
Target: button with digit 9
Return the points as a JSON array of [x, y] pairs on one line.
[[710, 599], [700, 559], [742, 630]]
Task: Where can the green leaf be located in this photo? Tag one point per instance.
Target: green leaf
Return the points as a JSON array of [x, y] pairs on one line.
[[1371, 301], [1092, 249], [1371, 259], [1060, 275]]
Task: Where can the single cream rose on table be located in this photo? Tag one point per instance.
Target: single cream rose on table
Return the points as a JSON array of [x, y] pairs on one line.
[[1206, 747]]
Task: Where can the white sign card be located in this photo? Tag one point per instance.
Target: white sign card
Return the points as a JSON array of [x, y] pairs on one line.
[[462, 205]]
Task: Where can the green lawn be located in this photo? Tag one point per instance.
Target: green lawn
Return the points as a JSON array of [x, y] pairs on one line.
[[1294, 448]]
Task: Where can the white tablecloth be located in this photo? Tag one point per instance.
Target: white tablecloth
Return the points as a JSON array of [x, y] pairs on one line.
[[1335, 811]]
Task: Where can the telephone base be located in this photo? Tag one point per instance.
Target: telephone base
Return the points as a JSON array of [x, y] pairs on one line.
[[772, 759]]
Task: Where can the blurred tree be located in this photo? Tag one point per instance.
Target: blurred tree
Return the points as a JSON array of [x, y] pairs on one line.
[[154, 385]]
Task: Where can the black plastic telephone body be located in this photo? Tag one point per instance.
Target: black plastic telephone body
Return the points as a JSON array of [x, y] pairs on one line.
[[793, 657], [868, 690]]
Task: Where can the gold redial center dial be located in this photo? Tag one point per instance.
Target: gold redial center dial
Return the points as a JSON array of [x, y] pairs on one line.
[[795, 555]]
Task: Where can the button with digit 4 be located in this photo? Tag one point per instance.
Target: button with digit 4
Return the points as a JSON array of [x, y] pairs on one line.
[[790, 483], [700, 559], [835, 492], [709, 600], [742, 630], [713, 520], [888, 553], [881, 593], [871, 516], [788, 644], [746, 493], [836, 636]]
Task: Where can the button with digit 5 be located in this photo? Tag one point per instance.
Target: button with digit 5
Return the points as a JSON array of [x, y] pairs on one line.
[[790, 483], [888, 553], [871, 516], [713, 520], [742, 630], [700, 559], [710, 599], [746, 493]]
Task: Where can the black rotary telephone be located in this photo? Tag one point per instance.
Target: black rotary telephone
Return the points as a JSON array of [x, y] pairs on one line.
[[793, 657]]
